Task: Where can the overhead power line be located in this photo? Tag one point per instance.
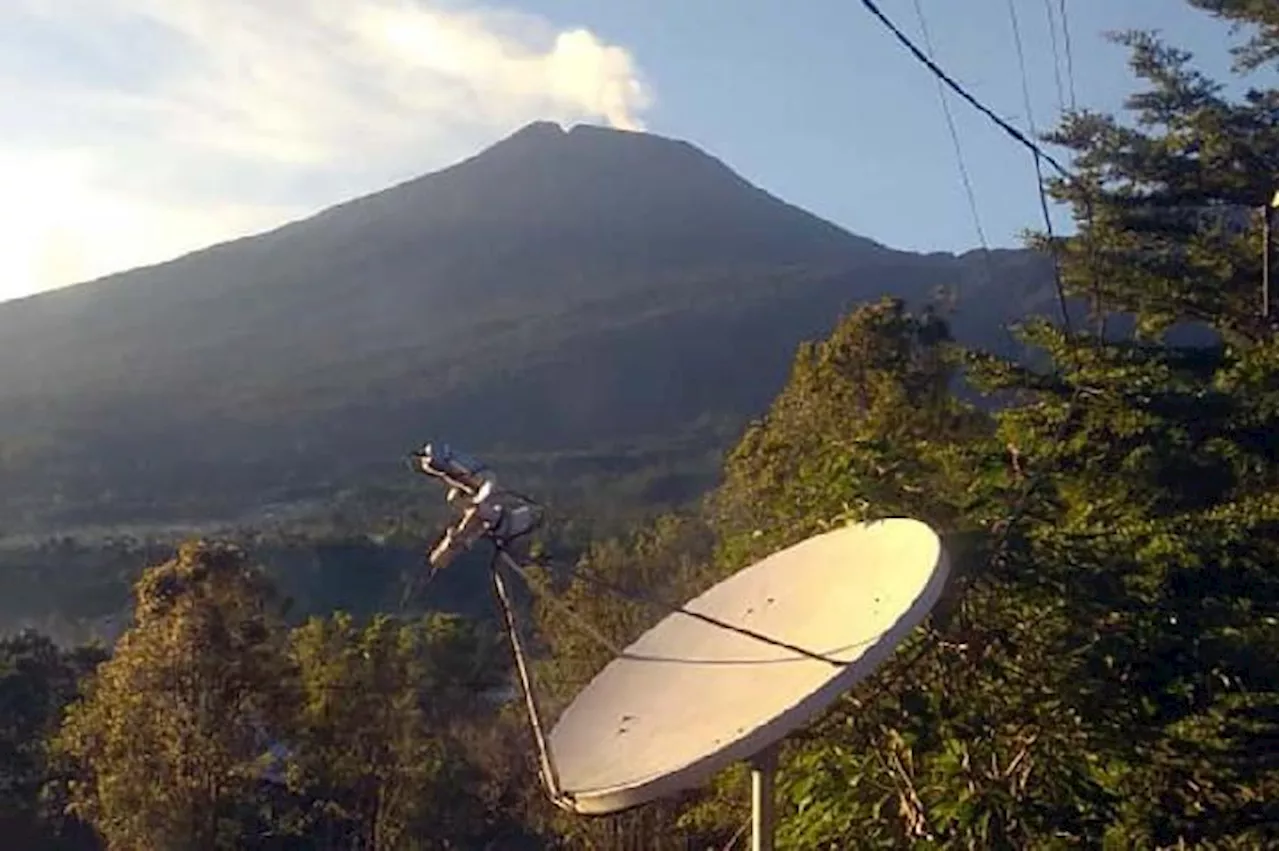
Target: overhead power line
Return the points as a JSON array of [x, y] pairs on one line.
[[1037, 155], [1013, 132], [1066, 48], [1033, 482], [1057, 59], [1022, 67], [955, 137]]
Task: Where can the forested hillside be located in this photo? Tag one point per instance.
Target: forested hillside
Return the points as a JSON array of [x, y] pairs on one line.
[[1101, 672], [597, 313], [561, 293]]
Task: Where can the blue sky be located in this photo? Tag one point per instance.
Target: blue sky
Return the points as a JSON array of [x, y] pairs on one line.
[[132, 131], [818, 104]]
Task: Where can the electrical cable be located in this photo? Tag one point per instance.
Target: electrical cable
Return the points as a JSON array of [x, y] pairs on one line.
[[955, 139], [970, 195], [1038, 153], [1057, 61], [1022, 68], [1013, 132], [503, 543], [1066, 45], [1033, 482]]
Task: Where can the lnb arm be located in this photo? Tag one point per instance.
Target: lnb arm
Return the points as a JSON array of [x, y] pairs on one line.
[[460, 472], [486, 511]]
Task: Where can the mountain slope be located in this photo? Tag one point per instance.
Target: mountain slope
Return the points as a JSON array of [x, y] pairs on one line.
[[558, 290]]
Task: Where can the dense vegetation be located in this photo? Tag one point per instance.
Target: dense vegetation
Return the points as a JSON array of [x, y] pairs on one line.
[[1101, 673]]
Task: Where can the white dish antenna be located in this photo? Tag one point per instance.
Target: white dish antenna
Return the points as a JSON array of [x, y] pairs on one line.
[[725, 677], [690, 697]]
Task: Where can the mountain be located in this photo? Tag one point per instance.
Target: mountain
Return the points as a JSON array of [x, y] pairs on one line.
[[559, 291]]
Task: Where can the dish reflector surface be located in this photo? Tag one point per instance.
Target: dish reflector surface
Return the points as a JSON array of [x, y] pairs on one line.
[[688, 698]]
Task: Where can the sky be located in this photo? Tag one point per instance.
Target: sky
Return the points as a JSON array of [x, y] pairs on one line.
[[133, 131]]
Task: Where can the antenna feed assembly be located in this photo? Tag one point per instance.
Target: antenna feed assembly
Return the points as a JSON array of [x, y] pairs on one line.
[[501, 516], [487, 511]]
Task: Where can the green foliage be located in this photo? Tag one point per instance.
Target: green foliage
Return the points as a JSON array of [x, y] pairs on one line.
[[1105, 674], [1100, 673], [37, 680], [213, 725], [1166, 500], [367, 752], [1261, 46], [936, 749], [169, 741], [867, 425]]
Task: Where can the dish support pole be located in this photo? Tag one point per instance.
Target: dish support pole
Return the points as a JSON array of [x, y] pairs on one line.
[[764, 766]]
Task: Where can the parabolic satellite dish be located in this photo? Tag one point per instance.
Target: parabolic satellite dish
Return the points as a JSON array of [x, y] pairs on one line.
[[689, 697]]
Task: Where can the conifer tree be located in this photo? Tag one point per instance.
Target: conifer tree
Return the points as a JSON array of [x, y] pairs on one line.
[[1108, 676], [1157, 522]]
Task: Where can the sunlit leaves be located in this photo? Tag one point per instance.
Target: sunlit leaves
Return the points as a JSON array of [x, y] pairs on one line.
[[866, 426], [172, 736], [369, 748]]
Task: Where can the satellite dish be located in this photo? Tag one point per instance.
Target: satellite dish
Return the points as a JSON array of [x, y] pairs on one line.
[[689, 697], [727, 676]]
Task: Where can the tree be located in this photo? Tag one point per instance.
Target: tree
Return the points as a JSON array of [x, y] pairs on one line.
[[935, 749], [372, 749], [866, 425], [1108, 676], [37, 680], [1261, 46], [170, 743], [1161, 504]]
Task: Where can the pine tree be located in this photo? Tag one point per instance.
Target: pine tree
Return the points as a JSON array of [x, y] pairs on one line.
[[1259, 15], [1108, 675], [1157, 517]]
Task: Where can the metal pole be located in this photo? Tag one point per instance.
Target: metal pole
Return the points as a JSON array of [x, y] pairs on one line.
[[549, 776], [763, 767]]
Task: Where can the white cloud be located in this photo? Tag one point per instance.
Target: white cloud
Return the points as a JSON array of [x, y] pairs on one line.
[[134, 130]]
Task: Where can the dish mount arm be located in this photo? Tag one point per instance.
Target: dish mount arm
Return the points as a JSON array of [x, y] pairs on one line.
[[499, 517], [487, 511]]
